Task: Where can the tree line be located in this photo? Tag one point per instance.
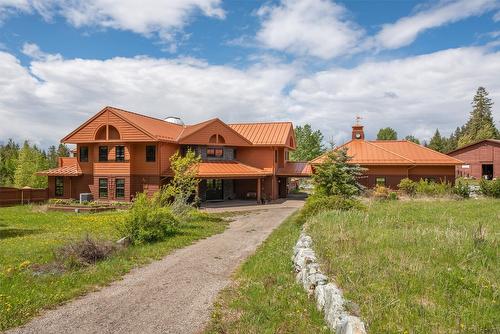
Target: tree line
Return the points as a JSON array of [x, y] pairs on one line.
[[19, 163], [479, 126]]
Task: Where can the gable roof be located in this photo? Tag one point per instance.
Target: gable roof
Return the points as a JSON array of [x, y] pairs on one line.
[[392, 152], [494, 141], [264, 134], [191, 131], [270, 133]]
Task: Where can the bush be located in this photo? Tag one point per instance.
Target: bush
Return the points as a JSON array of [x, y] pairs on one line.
[[147, 222], [84, 252], [319, 203], [462, 189], [408, 187], [490, 188]]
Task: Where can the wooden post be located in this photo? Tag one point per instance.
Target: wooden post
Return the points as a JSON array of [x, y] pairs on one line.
[[258, 190]]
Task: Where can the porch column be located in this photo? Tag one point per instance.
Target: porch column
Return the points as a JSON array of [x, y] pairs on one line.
[[258, 190]]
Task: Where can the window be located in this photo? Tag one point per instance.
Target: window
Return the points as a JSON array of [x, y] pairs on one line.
[[150, 153], [120, 153], [103, 153], [380, 181], [103, 188], [120, 188], [59, 186], [84, 154], [215, 152]]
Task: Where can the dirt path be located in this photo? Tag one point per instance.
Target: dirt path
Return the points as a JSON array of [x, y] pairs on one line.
[[173, 295]]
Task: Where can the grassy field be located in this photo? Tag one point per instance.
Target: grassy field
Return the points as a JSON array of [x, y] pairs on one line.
[[29, 237], [417, 266], [265, 297]]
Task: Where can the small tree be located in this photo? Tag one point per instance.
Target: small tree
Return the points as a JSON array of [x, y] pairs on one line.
[[184, 183], [387, 134], [437, 142], [336, 176]]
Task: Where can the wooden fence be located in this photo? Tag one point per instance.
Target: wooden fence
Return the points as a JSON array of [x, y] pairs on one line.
[[15, 196]]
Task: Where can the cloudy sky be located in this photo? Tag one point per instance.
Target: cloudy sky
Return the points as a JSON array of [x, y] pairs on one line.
[[410, 65]]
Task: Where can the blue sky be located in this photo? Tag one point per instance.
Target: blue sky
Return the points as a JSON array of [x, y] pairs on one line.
[[411, 65]]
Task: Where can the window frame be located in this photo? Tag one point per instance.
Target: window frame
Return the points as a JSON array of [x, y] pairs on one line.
[[122, 153], [215, 150], [58, 187], [80, 155], [120, 188], [148, 157], [102, 187], [377, 183], [101, 159]]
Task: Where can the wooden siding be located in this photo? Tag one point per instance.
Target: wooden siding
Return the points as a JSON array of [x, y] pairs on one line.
[[260, 157], [14, 196], [166, 151], [111, 168], [138, 162], [202, 136], [475, 156]]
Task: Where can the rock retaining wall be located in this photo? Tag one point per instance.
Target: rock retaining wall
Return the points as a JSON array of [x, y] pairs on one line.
[[328, 296]]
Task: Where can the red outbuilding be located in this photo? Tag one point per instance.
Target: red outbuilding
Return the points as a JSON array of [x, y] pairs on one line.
[[481, 159]]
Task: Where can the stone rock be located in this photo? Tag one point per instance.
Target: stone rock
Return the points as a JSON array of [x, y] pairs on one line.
[[351, 325], [125, 241]]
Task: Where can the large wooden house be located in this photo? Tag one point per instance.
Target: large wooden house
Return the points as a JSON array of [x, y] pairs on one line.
[[387, 162], [120, 153]]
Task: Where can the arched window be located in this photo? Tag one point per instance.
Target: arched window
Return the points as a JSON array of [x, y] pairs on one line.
[[220, 139], [213, 139], [113, 133], [216, 139]]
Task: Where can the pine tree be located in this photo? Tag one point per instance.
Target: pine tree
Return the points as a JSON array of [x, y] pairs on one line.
[[63, 151], [309, 143], [412, 139], [8, 162], [387, 134], [437, 143], [52, 157], [480, 124]]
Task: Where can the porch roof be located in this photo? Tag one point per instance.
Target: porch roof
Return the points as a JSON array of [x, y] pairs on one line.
[[297, 169], [69, 170], [229, 169]]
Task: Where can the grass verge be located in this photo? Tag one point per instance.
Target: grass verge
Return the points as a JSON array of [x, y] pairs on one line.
[[264, 297], [416, 266], [29, 238]]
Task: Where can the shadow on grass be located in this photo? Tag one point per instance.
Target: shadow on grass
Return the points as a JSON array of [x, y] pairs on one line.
[[16, 232]]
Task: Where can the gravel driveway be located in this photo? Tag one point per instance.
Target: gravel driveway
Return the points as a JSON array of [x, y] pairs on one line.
[[173, 295]]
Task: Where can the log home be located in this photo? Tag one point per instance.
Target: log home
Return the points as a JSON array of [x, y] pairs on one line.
[[120, 153]]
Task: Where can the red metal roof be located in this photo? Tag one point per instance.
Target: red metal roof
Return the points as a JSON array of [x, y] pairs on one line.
[[226, 169], [392, 152], [295, 169], [265, 133], [71, 170]]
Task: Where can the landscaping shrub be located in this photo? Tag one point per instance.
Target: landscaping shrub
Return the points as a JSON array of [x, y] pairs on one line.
[[461, 189], [147, 222], [319, 203], [408, 187], [383, 193], [490, 188], [84, 252]]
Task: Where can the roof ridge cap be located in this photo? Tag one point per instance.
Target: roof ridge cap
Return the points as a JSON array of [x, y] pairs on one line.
[[433, 151], [142, 115]]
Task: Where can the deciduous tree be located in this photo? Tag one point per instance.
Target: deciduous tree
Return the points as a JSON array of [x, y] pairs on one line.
[[309, 143], [387, 134]]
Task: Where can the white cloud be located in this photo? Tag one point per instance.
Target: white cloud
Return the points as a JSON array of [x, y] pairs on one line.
[[33, 51], [308, 27], [496, 17], [414, 95], [164, 18], [404, 31]]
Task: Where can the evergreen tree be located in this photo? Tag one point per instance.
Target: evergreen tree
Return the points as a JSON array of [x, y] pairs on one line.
[[437, 142], [387, 134], [52, 157], [412, 139], [63, 151], [336, 176], [8, 162], [480, 124], [309, 143]]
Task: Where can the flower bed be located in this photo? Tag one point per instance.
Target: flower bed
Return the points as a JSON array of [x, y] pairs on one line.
[[89, 207]]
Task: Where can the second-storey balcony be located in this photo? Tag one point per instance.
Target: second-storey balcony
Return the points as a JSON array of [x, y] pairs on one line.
[[112, 167]]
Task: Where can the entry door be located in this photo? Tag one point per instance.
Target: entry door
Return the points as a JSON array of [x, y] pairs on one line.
[[487, 171], [215, 190], [283, 191]]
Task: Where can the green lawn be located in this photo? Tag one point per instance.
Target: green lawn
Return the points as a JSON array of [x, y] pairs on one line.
[[29, 236], [265, 297], [417, 266]]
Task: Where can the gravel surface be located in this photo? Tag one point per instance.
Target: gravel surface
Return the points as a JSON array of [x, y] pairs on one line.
[[173, 295]]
